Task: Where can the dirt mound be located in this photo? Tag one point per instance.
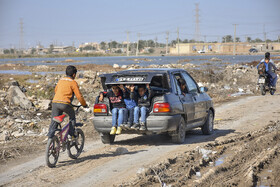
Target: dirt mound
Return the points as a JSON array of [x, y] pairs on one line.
[[251, 159]]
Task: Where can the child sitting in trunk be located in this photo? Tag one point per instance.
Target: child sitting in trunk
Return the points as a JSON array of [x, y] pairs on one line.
[[116, 98], [143, 96], [131, 103]]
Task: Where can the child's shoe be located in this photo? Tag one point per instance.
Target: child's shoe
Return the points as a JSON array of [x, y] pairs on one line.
[[142, 126], [127, 126], [119, 130], [122, 125], [135, 126], [113, 131]]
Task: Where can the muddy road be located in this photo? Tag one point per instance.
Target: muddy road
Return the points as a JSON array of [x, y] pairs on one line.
[[130, 161]]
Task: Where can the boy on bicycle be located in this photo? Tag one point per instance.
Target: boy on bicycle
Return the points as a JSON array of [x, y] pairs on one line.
[[65, 90]]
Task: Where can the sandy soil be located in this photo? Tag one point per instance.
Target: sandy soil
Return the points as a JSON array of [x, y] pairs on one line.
[[245, 143]]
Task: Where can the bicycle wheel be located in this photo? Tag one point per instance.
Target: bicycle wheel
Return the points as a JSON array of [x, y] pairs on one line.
[[52, 151], [75, 147]]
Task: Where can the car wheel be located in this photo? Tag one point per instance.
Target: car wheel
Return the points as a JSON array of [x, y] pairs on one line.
[[208, 126], [106, 138], [180, 135]]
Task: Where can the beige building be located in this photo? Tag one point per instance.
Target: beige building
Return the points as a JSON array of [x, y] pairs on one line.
[[93, 44], [62, 49], [228, 48]]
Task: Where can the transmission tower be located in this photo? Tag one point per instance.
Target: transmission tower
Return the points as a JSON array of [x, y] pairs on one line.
[[197, 30], [21, 41], [127, 43]]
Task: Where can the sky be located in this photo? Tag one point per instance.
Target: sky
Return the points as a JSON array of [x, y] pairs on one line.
[[65, 22]]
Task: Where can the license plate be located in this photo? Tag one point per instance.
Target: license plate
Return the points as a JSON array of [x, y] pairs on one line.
[[130, 79], [262, 81]]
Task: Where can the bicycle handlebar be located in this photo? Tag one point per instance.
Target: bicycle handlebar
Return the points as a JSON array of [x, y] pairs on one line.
[[77, 106]]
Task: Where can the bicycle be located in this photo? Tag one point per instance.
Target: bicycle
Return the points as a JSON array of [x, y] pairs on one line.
[[61, 140]]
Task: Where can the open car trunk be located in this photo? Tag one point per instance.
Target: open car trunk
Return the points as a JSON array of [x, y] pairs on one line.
[[158, 81]]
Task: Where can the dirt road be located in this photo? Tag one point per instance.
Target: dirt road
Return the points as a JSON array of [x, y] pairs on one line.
[[105, 165]]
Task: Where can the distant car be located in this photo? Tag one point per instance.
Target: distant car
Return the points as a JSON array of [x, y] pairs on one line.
[[171, 111], [253, 50], [201, 51]]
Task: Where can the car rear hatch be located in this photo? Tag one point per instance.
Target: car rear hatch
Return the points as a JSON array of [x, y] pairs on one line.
[[156, 79]]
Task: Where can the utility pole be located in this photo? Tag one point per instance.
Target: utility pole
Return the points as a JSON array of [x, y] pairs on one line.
[[21, 41], [197, 30], [137, 50], [278, 38], [127, 43], [264, 33], [166, 46], [234, 40], [156, 41], [178, 40], [73, 46]]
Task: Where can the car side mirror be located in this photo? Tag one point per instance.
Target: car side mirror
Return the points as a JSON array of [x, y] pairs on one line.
[[203, 89]]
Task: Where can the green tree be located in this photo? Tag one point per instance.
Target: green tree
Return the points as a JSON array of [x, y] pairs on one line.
[[141, 44], [151, 43], [173, 42], [12, 51], [192, 41], [89, 47], [103, 45], [249, 39], [257, 40], [238, 39], [185, 41], [33, 50], [227, 38], [113, 44], [6, 51]]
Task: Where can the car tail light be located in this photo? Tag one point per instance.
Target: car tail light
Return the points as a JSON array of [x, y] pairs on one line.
[[100, 109], [161, 107]]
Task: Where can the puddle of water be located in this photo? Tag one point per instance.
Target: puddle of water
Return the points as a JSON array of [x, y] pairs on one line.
[[15, 72], [220, 160], [32, 81], [18, 72]]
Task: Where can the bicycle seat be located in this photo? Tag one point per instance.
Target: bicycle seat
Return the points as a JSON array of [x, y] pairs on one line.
[[59, 119]]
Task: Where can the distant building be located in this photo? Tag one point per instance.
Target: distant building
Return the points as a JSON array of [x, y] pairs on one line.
[[1, 51], [227, 48], [92, 44], [63, 49]]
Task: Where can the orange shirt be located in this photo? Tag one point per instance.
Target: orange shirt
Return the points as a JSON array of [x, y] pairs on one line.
[[65, 90]]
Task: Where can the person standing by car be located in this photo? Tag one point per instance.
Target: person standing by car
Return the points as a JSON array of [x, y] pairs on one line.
[[270, 69], [116, 98], [144, 97], [65, 90]]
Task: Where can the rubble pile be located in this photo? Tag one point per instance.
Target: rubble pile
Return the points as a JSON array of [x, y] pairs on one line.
[[26, 109]]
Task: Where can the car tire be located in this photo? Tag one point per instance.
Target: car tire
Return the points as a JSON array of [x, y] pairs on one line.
[[106, 138], [180, 135], [208, 126]]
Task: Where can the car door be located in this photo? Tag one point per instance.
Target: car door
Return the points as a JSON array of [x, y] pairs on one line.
[[186, 99], [200, 104]]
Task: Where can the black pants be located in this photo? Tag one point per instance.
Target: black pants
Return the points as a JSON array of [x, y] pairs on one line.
[[57, 110]]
